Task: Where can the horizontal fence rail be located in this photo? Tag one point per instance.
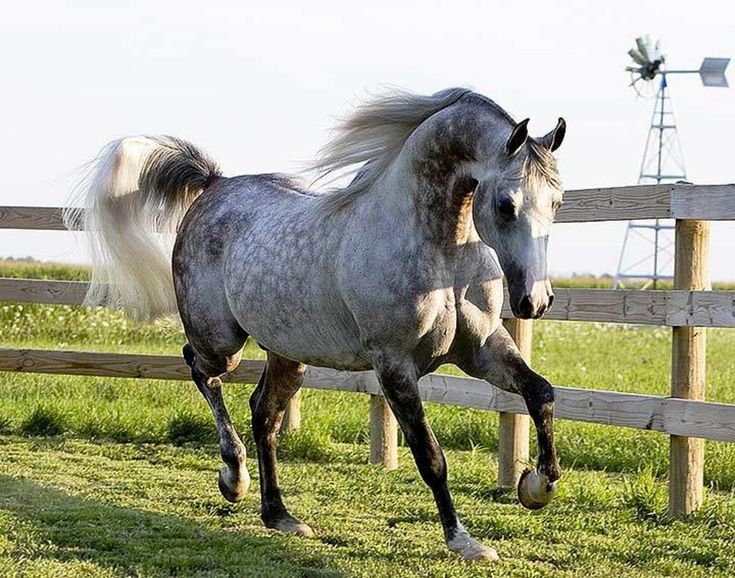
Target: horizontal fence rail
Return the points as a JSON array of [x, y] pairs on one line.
[[32, 218], [672, 308], [662, 414], [43, 291], [667, 201]]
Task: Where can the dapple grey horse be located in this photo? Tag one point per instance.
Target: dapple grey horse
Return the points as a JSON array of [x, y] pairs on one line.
[[400, 271]]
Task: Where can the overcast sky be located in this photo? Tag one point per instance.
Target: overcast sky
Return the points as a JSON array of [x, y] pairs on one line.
[[258, 84]]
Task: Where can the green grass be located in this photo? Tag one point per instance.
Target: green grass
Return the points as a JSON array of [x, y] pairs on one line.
[[32, 269], [102, 476], [76, 508]]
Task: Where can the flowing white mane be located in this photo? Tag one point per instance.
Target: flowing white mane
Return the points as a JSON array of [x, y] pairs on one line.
[[369, 140]]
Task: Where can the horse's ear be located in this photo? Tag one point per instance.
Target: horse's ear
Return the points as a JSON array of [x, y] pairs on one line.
[[517, 138], [553, 140]]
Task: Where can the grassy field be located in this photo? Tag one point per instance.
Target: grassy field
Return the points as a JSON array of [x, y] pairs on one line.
[[116, 477]]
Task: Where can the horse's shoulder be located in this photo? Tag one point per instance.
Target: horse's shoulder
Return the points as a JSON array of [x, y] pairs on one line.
[[477, 263], [478, 288]]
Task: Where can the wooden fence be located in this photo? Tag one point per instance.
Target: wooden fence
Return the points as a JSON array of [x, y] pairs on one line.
[[688, 309]]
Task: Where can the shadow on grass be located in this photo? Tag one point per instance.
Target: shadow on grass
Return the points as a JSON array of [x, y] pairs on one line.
[[136, 542]]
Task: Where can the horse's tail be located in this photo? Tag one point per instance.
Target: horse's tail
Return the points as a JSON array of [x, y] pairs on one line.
[[133, 199]]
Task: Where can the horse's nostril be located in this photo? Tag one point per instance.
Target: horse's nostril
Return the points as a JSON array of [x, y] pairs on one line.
[[526, 307], [551, 301]]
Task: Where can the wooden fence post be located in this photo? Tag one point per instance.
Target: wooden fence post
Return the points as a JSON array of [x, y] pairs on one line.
[[513, 432], [292, 417], [688, 368], [383, 432]]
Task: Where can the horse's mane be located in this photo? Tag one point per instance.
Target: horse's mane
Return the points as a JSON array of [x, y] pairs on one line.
[[370, 139]]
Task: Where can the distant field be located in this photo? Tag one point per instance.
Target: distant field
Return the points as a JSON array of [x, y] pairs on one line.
[[21, 269], [141, 454]]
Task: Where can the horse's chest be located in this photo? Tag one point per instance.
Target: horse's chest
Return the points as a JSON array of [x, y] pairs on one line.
[[478, 314], [456, 320], [437, 340]]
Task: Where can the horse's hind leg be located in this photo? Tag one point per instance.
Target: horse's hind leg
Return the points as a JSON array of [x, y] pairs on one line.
[[206, 368], [215, 337], [281, 379]]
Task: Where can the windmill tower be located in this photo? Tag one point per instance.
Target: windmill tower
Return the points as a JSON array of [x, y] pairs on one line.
[[647, 253]]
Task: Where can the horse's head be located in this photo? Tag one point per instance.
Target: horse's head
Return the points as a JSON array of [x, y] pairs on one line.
[[514, 206]]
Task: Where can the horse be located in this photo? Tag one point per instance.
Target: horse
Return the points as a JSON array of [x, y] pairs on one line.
[[399, 271]]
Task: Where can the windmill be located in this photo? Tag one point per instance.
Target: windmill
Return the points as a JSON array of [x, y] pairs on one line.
[[647, 253]]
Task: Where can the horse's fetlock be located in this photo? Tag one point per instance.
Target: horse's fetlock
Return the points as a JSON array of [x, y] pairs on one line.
[[272, 510], [234, 457], [552, 470]]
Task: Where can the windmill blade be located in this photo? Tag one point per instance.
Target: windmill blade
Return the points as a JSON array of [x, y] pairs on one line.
[[644, 47], [712, 72], [637, 57]]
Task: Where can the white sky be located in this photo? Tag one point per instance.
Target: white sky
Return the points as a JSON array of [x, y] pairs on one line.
[[258, 84]]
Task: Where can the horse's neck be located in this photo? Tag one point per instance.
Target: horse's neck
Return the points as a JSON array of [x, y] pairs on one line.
[[430, 184]]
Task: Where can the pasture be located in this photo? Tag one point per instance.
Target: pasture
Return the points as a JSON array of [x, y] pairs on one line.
[[117, 477]]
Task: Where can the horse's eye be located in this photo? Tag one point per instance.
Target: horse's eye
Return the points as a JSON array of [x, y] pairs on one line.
[[506, 208]]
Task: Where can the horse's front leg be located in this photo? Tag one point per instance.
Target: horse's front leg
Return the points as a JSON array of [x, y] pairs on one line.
[[399, 383], [500, 363]]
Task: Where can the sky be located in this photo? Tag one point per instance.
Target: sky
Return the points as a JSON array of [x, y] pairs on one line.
[[258, 86]]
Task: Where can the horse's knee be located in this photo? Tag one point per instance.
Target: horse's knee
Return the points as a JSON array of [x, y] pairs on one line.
[[538, 394]]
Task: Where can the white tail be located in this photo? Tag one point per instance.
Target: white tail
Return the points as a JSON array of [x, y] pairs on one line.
[[132, 201]]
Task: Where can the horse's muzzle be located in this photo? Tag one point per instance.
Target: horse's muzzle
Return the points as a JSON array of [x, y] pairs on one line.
[[532, 308]]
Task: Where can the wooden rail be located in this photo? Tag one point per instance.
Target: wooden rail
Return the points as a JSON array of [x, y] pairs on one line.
[[688, 310], [673, 308], [667, 201], [670, 415], [32, 218], [43, 291]]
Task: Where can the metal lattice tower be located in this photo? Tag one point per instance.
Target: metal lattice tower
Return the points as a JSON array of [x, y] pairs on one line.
[[648, 247]]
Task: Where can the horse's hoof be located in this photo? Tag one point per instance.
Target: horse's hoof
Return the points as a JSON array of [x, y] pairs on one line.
[[291, 525], [483, 554], [233, 488], [472, 550], [534, 490]]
